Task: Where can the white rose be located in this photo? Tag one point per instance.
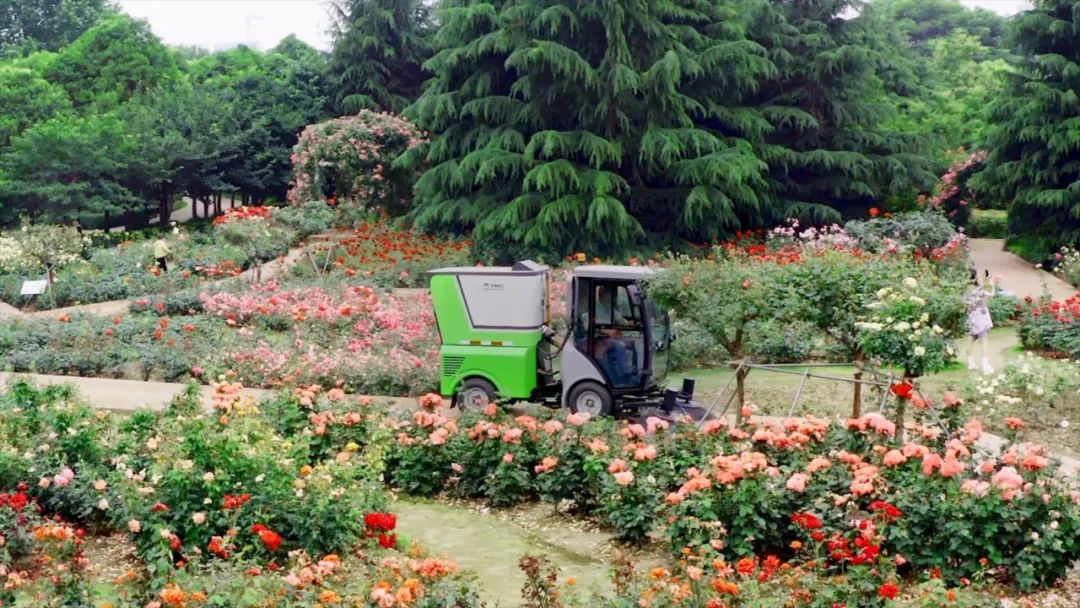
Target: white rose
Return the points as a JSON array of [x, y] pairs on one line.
[[208, 477], [919, 351], [103, 504], [199, 518], [910, 282]]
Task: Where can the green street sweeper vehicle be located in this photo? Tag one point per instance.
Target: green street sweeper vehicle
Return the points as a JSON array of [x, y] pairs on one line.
[[498, 343]]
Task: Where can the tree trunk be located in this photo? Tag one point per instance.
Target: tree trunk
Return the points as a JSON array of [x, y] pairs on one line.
[[856, 403], [740, 390], [217, 203], [195, 210], [164, 208]]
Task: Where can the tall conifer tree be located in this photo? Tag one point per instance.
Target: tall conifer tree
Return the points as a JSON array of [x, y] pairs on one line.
[[379, 46], [1035, 146], [592, 125], [829, 148]]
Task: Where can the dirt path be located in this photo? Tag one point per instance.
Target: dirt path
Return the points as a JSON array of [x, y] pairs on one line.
[[1017, 275]]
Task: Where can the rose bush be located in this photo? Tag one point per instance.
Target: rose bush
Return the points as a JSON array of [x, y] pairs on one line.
[[722, 491], [1051, 327], [912, 326], [804, 511], [1068, 265], [240, 238], [269, 334], [385, 255]]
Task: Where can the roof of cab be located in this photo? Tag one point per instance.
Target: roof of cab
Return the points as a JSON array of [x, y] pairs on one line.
[[606, 271], [524, 268]]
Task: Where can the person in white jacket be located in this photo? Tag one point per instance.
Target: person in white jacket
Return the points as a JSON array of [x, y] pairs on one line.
[[978, 318]]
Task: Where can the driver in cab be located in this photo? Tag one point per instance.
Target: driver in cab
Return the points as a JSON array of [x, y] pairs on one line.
[[610, 350]]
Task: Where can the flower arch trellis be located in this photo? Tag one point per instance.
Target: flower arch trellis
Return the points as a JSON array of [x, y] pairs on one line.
[[350, 159]]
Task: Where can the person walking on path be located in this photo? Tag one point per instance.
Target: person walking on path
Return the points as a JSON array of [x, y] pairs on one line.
[[161, 254], [979, 320]]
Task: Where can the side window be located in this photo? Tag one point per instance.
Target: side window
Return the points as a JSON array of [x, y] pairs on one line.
[[581, 324], [602, 300], [623, 306]]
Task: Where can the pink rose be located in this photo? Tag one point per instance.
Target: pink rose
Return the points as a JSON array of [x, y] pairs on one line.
[[894, 458], [624, 478], [797, 482], [578, 419], [508, 458]]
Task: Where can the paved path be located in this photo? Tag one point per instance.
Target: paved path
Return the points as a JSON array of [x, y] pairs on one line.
[[1017, 274]]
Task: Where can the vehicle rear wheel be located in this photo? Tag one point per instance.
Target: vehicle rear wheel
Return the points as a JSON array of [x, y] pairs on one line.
[[590, 398], [477, 393]]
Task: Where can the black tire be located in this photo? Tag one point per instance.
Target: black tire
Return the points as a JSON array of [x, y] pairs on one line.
[[476, 393], [590, 398]]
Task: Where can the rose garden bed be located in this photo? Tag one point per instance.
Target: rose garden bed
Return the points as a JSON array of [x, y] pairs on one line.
[[286, 499]]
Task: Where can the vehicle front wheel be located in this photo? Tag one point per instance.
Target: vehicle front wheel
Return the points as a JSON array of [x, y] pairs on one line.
[[476, 393], [590, 398]]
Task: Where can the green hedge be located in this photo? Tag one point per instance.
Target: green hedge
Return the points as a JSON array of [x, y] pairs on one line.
[[988, 223]]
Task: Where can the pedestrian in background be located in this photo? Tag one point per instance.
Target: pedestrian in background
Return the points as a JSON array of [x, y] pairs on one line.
[[161, 254]]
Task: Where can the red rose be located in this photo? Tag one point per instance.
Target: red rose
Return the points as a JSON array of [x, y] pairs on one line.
[[888, 590], [159, 508], [271, 539], [874, 212], [806, 521], [902, 390], [387, 541]]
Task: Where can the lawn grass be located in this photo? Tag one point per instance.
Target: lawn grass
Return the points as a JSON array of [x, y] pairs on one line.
[[773, 394]]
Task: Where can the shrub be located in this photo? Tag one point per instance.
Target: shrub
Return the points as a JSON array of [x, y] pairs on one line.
[[306, 219], [988, 223], [774, 341], [252, 230], [693, 345], [1005, 308], [929, 234]]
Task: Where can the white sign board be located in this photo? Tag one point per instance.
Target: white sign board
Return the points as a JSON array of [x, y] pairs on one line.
[[33, 288]]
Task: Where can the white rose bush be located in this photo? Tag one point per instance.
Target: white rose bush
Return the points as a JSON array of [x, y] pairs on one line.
[[912, 325]]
